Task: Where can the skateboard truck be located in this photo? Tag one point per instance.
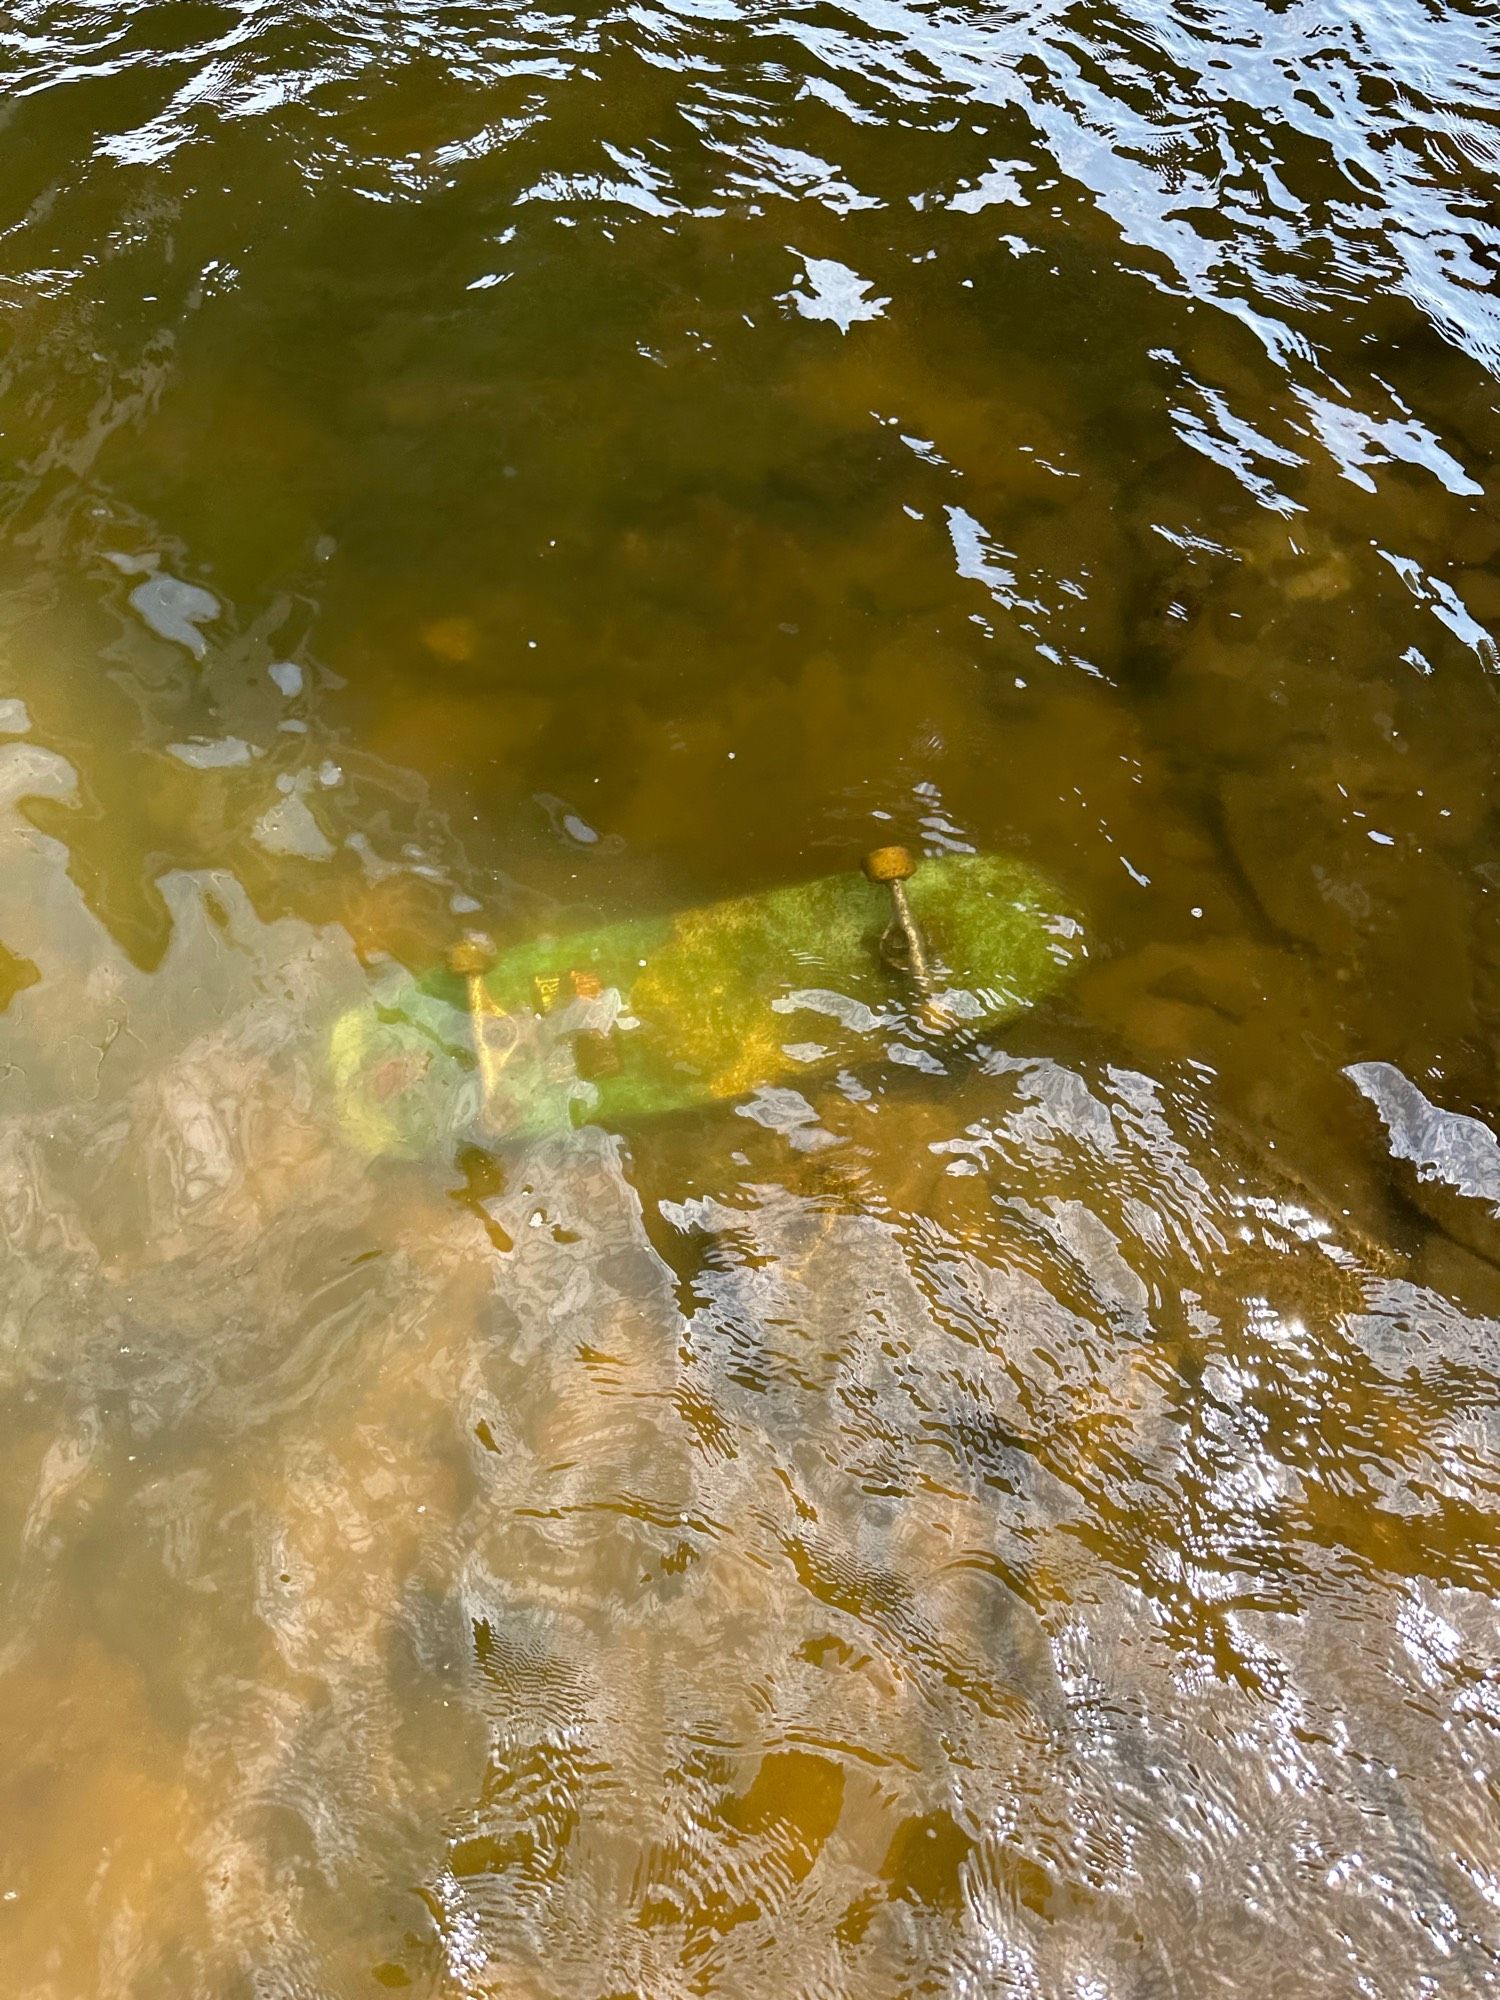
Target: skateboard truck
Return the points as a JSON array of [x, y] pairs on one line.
[[470, 960], [901, 943]]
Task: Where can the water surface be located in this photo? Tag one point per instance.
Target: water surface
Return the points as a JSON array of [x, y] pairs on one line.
[[1013, 1520]]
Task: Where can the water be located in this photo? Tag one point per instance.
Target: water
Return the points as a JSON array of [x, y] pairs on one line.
[[1018, 1522]]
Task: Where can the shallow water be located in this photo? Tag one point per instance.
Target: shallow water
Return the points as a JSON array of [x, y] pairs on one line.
[[1010, 1518]]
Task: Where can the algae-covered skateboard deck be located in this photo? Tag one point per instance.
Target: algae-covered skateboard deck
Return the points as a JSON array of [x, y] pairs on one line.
[[661, 1014]]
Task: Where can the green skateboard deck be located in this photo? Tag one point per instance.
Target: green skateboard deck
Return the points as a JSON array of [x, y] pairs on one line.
[[656, 1015]]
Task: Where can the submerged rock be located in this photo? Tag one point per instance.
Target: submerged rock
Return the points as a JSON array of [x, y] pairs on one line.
[[1451, 1161]]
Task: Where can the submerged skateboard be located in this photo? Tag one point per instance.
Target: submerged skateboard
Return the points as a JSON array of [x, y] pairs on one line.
[[662, 1014]]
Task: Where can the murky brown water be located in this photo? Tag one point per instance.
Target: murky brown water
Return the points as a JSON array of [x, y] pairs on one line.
[[1016, 1519]]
